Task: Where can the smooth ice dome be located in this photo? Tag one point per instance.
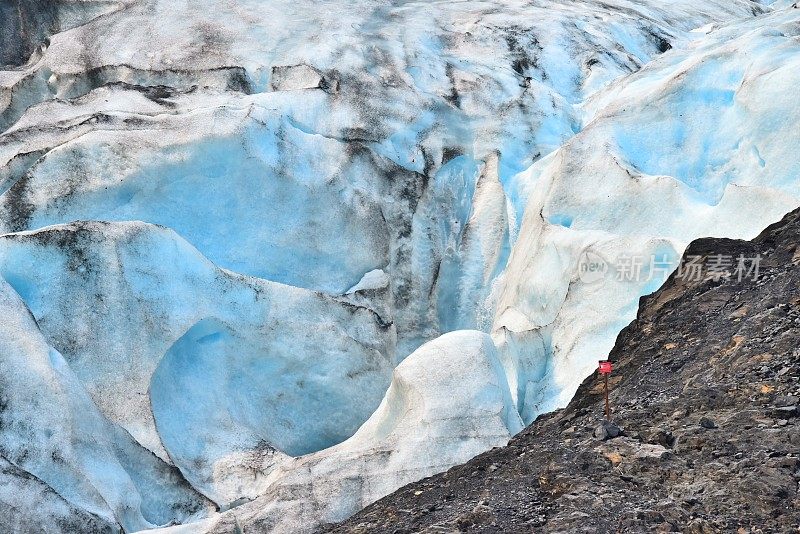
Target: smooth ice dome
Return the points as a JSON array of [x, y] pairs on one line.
[[264, 262], [447, 402]]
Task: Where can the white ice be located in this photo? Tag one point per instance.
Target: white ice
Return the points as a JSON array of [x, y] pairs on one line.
[[228, 227]]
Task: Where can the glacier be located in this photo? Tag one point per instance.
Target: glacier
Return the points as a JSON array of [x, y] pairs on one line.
[[263, 263], [57, 440], [696, 139], [167, 353]]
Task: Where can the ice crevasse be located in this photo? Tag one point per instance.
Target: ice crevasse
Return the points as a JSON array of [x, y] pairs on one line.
[[265, 267]]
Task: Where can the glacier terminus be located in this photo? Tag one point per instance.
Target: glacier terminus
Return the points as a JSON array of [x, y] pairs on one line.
[[264, 262]]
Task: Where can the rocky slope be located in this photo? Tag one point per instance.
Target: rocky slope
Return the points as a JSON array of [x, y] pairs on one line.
[[705, 422]]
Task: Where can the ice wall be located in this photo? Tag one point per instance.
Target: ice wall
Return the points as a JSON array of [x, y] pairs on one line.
[[227, 228]]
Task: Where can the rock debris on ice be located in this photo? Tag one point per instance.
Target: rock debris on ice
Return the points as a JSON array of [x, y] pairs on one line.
[[226, 229]]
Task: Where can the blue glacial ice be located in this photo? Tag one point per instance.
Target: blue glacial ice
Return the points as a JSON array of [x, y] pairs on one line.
[[256, 256]]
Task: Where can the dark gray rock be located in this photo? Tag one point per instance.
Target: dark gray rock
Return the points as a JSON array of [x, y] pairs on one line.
[[786, 400], [785, 412], [660, 436], [607, 430], [705, 422]]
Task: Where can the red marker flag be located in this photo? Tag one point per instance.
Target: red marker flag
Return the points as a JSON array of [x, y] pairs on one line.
[[605, 368]]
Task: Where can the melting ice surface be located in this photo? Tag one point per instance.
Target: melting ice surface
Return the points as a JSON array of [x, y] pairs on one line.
[[266, 262]]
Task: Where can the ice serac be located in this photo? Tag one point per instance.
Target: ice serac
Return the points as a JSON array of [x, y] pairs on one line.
[[447, 402], [252, 370], [63, 456], [701, 142]]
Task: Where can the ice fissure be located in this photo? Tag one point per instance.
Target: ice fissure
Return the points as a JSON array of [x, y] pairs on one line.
[[269, 261]]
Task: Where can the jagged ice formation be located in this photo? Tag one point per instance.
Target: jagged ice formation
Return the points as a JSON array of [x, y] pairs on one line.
[[225, 225]]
